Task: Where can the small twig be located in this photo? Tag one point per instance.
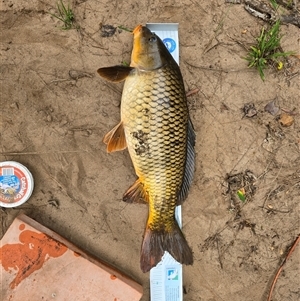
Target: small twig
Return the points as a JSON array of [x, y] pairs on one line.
[[238, 42], [207, 68], [67, 193], [219, 253], [274, 210], [217, 31], [290, 112], [125, 28], [281, 266], [233, 1], [60, 80], [267, 198], [218, 70], [293, 75], [192, 92]]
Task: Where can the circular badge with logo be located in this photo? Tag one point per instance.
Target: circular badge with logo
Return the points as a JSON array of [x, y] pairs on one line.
[[170, 44], [16, 184]]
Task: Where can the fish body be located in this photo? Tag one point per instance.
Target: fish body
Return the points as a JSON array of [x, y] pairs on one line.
[[156, 128]]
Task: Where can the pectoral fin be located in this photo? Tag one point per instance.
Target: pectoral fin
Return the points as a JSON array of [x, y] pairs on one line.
[[115, 73], [115, 139]]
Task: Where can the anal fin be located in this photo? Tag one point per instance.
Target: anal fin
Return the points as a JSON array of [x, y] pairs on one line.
[[136, 193], [115, 139]]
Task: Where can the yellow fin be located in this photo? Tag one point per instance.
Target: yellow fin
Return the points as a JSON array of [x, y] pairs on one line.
[[115, 139], [136, 193], [115, 74]]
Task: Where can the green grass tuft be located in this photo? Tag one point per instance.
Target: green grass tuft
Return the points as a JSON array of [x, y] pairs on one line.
[[267, 50], [66, 15]]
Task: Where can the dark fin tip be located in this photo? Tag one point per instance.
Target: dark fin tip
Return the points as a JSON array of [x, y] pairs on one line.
[[115, 74], [156, 242]]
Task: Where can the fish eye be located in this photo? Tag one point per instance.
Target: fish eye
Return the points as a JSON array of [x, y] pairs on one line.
[[152, 39]]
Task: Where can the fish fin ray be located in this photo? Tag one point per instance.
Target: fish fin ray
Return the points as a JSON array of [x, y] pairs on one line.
[[115, 139], [156, 242], [136, 193], [115, 73], [189, 165]]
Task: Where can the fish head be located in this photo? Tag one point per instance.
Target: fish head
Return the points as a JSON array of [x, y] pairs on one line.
[[149, 52]]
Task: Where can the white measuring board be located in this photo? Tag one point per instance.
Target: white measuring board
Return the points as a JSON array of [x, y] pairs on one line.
[[166, 277]]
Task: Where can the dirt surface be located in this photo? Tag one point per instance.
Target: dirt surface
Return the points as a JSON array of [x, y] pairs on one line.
[[55, 111]]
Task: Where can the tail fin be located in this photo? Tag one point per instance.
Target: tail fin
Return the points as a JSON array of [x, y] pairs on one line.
[[157, 241]]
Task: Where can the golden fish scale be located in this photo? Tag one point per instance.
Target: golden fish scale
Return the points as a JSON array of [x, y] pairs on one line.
[[155, 116]]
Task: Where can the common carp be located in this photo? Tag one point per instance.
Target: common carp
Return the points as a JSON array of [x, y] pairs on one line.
[[156, 127]]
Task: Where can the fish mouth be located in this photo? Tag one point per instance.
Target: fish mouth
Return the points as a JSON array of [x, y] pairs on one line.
[[137, 29]]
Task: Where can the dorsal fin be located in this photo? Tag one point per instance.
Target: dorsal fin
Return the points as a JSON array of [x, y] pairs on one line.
[[189, 165], [115, 139], [115, 73]]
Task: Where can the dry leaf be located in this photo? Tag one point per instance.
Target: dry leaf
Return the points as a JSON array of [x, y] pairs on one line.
[[286, 119]]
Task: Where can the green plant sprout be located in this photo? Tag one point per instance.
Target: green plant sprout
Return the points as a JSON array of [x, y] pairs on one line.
[[287, 5], [241, 195], [66, 15], [267, 50], [125, 28], [274, 4]]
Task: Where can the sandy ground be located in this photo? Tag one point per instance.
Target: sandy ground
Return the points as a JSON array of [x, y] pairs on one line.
[[55, 111]]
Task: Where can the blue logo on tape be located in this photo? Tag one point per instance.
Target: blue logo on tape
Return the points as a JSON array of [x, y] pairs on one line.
[[172, 274], [170, 44]]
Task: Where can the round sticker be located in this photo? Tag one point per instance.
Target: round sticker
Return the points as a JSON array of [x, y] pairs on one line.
[[170, 44], [16, 184]]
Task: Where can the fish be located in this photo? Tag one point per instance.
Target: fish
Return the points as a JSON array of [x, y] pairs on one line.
[[156, 128]]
